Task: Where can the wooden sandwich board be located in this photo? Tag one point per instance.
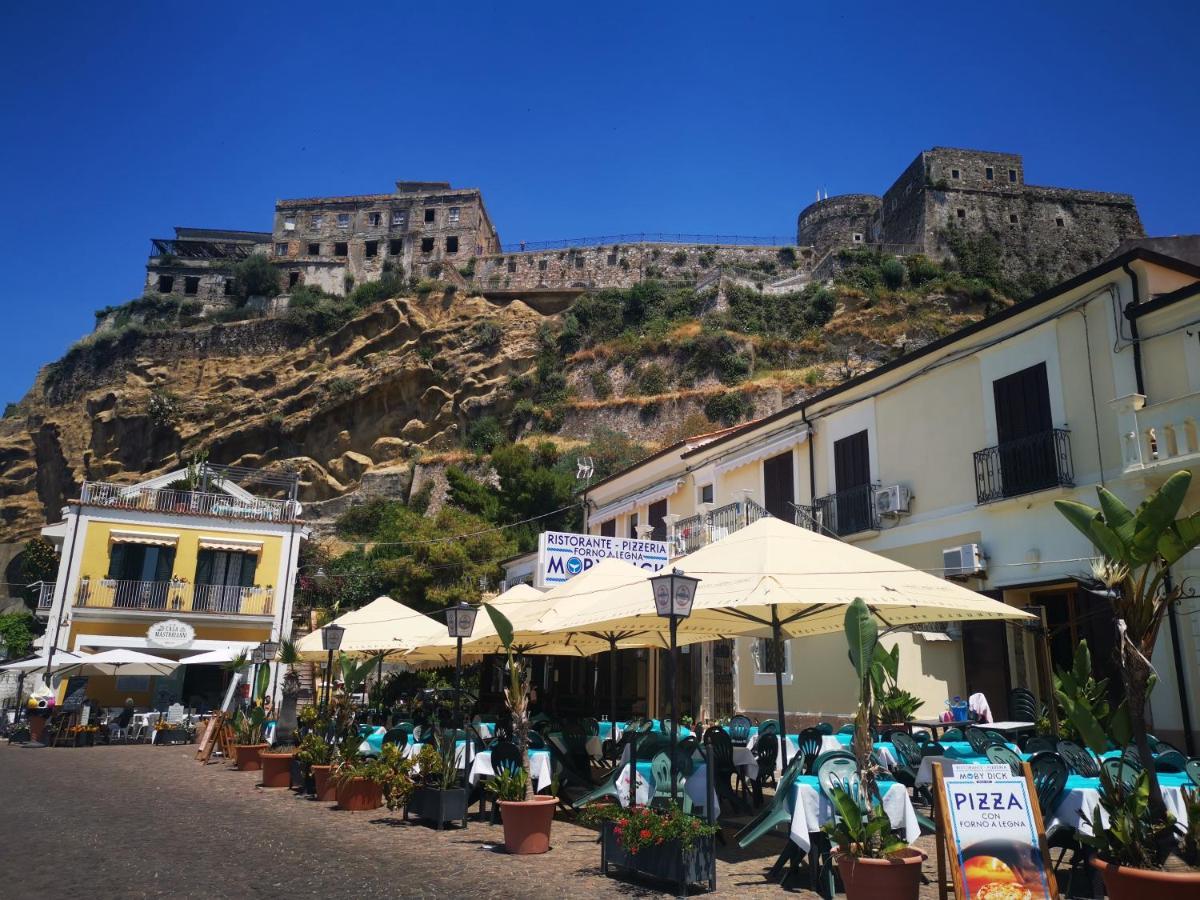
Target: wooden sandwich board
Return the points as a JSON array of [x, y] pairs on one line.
[[989, 809]]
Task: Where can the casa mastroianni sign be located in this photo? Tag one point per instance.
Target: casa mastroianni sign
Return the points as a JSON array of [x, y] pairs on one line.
[[170, 634]]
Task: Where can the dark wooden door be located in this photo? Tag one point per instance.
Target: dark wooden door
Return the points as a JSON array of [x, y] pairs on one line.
[[657, 520], [985, 663], [1024, 431], [779, 486], [852, 483]]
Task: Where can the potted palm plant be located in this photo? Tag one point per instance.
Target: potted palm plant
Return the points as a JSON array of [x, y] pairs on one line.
[[315, 757], [1137, 548], [527, 820], [365, 784], [248, 738], [439, 796], [871, 861], [893, 705]]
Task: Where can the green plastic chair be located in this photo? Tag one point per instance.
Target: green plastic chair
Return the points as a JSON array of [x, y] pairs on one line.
[[1170, 761], [952, 734], [780, 810], [1120, 771], [1193, 770], [846, 729], [824, 728], [1002, 755], [768, 726], [837, 771], [1080, 761], [605, 789], [660, 771]]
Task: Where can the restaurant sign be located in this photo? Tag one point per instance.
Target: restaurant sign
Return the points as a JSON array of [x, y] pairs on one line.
[[993, 831], [562, 555], [170, 634]]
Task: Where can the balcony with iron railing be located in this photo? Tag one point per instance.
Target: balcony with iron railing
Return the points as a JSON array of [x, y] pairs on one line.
[[194, 503], [846, 512], [175, 597], [45, 597], [1026, 465]]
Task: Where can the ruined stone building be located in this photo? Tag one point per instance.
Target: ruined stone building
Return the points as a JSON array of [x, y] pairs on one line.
[[943, 201], [947, 194]]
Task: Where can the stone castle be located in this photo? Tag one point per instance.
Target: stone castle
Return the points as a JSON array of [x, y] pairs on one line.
[[430, 229]]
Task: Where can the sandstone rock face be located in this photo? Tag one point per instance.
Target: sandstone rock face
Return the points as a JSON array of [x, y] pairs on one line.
[[333, 407]]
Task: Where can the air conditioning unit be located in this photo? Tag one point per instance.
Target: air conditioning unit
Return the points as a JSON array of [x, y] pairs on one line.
[[892, 500], [965, 561]]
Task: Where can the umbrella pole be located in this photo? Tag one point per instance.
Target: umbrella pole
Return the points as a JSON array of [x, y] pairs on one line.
[[777, 637], [612, 687]]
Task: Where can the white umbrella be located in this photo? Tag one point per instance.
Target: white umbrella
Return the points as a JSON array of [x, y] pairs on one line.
[[121, 662], [218, 656], [62, 659], [382, 626]]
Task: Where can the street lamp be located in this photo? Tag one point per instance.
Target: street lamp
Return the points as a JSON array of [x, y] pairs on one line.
[[269, 650], [331, 641], [256, 660], [460, 622], [674, 595]]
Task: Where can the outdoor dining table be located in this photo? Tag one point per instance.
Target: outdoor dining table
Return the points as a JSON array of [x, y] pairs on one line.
[[695, 786], [811, 809], [413, 748], [957, 753], [614, 730], [745, 760], [539, 768], [1082, 795]]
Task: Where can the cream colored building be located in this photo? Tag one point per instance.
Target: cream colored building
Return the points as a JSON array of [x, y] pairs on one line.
[[949, 459]]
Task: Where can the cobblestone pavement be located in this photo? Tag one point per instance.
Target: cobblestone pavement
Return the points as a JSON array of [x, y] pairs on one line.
[[143, 821]]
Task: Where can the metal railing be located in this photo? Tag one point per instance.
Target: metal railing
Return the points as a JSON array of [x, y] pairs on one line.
[[847, 512], [175, 596], [755, 511], [806, 517], [651, 237], [196, 503], [201, 249], [1028, 464], [45, 596], [703, 529]]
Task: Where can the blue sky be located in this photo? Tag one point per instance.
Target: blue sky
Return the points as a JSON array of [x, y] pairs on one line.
[[121, 120]]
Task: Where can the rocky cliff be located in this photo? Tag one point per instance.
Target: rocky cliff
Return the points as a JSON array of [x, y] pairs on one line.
[[381, 399]]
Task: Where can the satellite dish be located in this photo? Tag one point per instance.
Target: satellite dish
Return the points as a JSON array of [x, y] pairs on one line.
[[585, 467]]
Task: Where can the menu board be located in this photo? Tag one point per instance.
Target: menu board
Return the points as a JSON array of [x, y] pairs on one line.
[[991, 829], [76, 692]]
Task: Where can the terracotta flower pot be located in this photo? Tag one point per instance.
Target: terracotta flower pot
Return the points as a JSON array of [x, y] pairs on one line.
[[895, 878], [246, 756], [37, 728], [359, 795], [326, 790], [1121, 882], [527, 824], [276, 769]]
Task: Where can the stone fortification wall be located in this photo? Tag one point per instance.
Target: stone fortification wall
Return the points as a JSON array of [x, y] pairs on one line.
[[841, 221], [623, 265]]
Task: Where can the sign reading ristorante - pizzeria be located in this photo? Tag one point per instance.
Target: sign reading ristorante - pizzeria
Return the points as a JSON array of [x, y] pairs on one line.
[[563, 554]]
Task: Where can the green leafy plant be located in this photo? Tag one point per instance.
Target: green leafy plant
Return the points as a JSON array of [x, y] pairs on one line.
[[858, 832], [1081, 697], [509, 784], [516, 695], [314, 750], [447, 775], [1189, 844], [248, 726], [893, 704], [1139, 547], [254, 276], [641, 827], [1133, 836], [862, 638]]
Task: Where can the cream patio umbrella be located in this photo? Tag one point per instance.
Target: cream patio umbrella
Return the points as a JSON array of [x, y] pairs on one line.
[[383, 626], [121, 661], [774, 579]]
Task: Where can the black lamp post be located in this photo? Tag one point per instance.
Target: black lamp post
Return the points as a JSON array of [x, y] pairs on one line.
[[331, 640], [674, 595], [269, 651], [256, 660], [460, 622]]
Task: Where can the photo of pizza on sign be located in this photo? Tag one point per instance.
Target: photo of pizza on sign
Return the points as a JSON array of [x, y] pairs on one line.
[[993, 827]]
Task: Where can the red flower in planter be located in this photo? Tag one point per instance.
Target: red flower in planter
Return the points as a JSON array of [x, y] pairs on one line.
[[645, 834]]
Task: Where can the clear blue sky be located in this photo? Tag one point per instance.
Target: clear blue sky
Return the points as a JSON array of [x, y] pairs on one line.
[[121, 120]]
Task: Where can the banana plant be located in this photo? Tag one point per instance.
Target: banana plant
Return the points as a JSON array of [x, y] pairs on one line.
[[516, 695], [1139, 547], [862, 636]]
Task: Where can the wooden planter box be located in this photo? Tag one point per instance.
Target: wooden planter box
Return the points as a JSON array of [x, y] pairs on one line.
[[84, 739], [697, 865], [438, 806], [173, 736]]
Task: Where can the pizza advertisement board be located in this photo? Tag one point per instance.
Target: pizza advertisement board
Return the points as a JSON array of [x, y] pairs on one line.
[[563, 555], [993, 833]]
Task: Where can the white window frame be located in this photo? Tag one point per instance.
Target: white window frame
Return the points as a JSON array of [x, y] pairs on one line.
[[289, 223], [318, 220], [454, 214], [761, 677], [281, 248], [700, 486], [343, 220], [399, 217]]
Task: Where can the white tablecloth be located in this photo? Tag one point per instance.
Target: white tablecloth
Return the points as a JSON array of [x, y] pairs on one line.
[[925, 773], [811, 809], [460, 752], [1078, 800], [743, 757], [695, 786], [539, 767]]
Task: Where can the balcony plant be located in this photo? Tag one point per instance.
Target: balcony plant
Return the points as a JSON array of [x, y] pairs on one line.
[[1138, 548], [527, 821], [439, 796], [662, 843], [871, 861]]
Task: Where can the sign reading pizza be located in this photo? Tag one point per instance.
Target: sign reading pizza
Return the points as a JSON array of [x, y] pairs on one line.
[[992, 829], [563, 555]]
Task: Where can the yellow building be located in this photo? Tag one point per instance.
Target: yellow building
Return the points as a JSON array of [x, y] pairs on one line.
[[181, 564], [949, 459]]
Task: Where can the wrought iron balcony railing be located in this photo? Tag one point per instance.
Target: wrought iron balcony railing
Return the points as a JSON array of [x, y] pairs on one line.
[[847, 512], [175, 597], [699, 530], [1028, 464], [197, 503]]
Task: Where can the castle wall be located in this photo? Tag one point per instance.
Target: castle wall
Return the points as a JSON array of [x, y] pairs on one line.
[[841, 221], [624, 265]]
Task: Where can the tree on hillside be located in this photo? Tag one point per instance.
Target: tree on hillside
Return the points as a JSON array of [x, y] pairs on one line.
[[254, 276]]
